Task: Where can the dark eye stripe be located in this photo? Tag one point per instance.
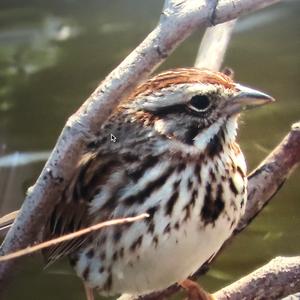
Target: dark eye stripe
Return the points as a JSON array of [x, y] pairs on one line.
[[198, 105], [162, 111], [178, 108]]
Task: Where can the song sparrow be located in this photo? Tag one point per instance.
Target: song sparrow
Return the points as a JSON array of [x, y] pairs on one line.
[[173, 156]]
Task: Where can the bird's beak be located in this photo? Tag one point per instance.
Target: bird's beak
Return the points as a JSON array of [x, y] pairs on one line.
[[247, 98]]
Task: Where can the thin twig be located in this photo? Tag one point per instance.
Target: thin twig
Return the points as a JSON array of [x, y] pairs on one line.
[[70, 236]]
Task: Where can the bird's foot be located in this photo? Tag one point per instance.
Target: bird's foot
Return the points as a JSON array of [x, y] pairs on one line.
[[195, 291], [89, 292]]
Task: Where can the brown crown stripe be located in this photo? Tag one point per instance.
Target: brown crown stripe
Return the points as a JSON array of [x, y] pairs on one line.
[[182, 75]]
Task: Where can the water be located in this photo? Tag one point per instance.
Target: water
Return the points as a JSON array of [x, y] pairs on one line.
[[54, 53]]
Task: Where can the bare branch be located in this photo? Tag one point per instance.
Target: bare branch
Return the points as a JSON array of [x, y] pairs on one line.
[[279, 278], [213, 46]]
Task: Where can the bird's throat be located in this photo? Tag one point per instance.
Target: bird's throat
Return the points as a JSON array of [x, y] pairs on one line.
[[223, 131]]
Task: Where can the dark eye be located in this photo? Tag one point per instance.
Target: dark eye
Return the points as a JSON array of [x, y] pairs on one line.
[[199, 103]]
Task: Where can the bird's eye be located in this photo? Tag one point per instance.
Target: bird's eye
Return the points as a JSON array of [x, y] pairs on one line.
[[199, 103]]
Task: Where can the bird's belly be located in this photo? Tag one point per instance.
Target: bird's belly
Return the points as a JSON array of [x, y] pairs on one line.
[[173, 243], [174, 258], [158, 261]]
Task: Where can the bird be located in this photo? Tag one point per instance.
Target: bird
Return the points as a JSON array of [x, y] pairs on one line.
[[168, 150]]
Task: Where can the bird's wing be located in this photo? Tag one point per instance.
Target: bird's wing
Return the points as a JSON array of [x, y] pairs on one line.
[[71, 213]]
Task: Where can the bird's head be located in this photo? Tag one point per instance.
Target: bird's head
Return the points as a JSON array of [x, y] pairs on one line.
[[192, 105]]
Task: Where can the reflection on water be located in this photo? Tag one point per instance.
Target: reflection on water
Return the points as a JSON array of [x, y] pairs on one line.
[[19, 159], [54, 53], [31, 48]]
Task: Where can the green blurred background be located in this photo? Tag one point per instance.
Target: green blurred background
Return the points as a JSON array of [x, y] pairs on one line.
[[54, 53]]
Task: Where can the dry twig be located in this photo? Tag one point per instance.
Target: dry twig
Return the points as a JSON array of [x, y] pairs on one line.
[[71, 236]]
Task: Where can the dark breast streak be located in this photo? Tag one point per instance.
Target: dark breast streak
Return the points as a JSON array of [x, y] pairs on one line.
[[213, 206]]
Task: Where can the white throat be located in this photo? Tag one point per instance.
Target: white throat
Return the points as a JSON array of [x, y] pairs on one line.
[[203, 138]]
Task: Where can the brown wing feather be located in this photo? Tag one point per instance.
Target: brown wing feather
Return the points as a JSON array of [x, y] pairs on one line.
[[71, 212]]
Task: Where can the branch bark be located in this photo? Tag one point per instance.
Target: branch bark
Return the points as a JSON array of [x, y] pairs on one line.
[[213, 46], [179, 19], [279, 278]]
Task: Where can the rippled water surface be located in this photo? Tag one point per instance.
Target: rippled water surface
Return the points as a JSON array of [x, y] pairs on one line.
[[52, 56]]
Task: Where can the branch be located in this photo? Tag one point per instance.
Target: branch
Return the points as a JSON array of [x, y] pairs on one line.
[[279, 278], [213, 46], [179, 19]]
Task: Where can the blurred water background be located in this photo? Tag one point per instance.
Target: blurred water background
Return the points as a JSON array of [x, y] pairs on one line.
[[54, 53]]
